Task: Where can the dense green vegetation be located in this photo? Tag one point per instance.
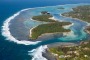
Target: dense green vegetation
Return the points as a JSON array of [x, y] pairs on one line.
[[80, 12], [81, 52], [49, 28], [52, 27], [43, 17]]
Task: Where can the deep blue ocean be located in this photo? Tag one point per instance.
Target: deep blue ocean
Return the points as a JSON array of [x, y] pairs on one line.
[[10, 50]]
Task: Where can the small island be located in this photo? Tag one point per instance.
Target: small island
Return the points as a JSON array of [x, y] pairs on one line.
[[49, 28], [53, 26], [45, 12], [45, 17]]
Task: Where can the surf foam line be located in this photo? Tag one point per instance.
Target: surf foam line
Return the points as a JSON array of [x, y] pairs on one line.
[[6, 31], [37, 53]]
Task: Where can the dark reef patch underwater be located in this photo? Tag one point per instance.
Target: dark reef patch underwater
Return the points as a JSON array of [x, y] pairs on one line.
[[15, 47]]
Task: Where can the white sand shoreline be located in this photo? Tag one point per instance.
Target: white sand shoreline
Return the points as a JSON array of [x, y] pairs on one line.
[[31, 31], [68, 26], [53, 18]]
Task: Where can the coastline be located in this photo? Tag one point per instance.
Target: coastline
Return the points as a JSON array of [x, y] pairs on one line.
[[63, 44], [88, 24], [81, 45], [30, 35], [53, 18], [47, 54], [73, 18], [68, 26], [38, 21]]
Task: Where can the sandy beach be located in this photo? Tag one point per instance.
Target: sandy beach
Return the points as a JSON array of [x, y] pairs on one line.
[[67, 26], [53, 18], [31, 31]]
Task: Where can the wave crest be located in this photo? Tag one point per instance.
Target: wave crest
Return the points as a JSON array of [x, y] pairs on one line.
[[6, 31], [37, 53]]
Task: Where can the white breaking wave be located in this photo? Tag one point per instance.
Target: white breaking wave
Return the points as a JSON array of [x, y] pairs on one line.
[[8, 35], [37, 53]]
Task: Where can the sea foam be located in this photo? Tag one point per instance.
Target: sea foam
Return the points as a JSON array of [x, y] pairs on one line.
[[8, 35], [37, 53]]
